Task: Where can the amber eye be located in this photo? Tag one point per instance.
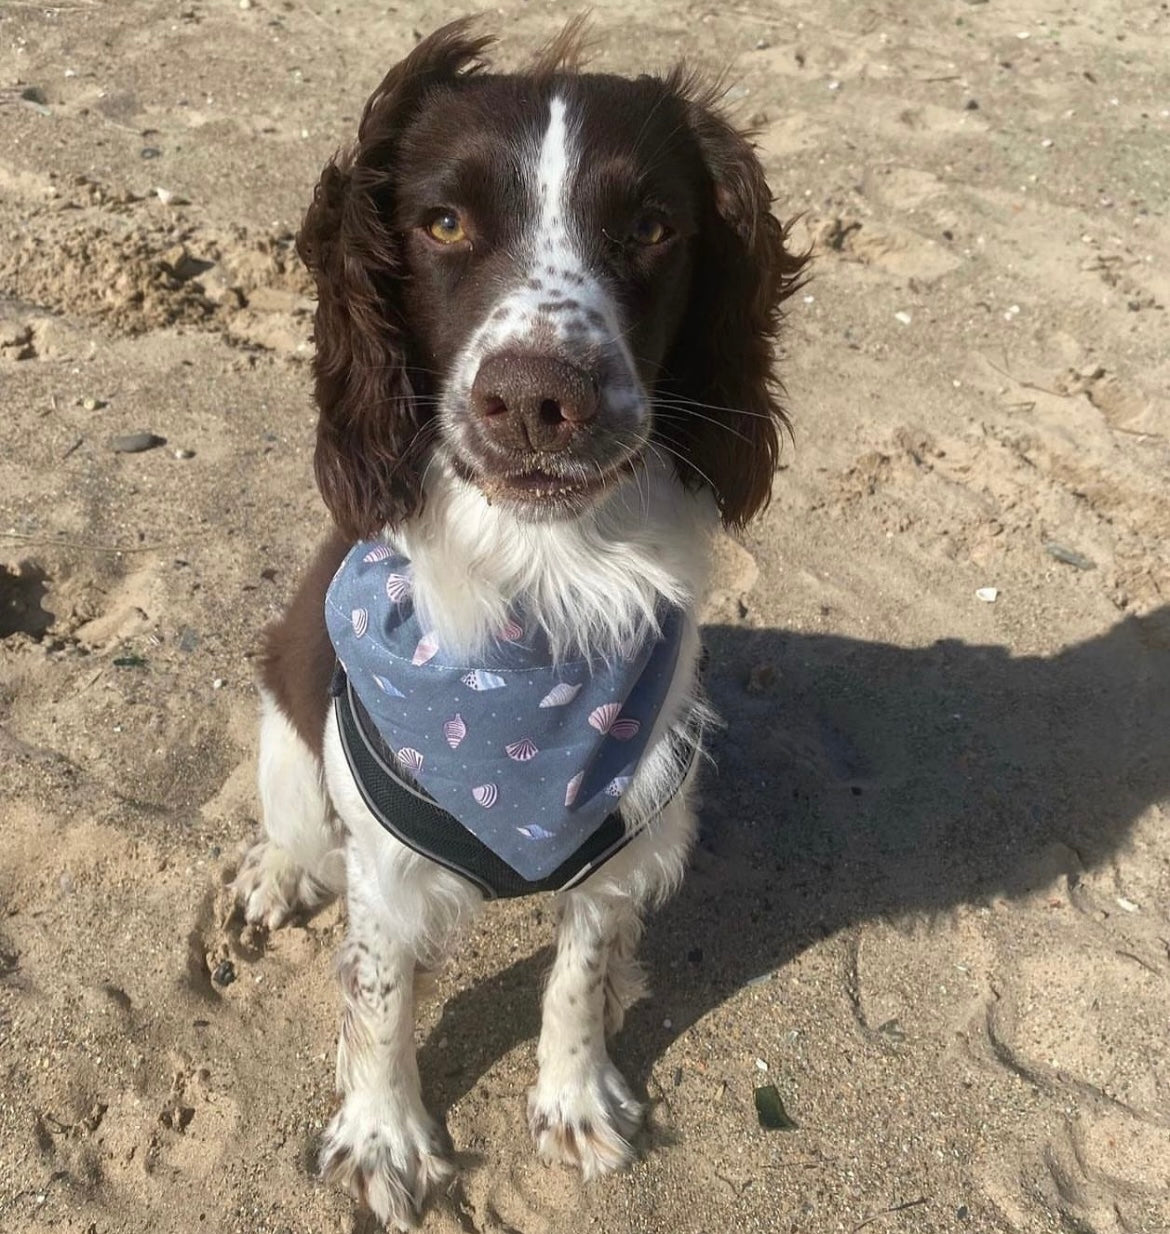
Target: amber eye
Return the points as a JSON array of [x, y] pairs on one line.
[[446, 227], [649, 229]]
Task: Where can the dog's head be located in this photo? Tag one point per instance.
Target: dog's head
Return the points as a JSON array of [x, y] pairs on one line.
[[536, 278]]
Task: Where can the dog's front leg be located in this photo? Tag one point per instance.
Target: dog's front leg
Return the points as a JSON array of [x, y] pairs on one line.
[[382, 1145], [581, 1110]]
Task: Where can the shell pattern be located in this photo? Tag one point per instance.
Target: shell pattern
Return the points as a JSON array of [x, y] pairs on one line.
[[512, 632], [617, 786], [409, 759], [534, 831], [361, 621], [608, 719], [486, 794], [387, 686], [427, 649], [455, 730], [521, 751], [380, 552], [398, 587], [560, 695], [481, 679], [602, 718], [573, 788]]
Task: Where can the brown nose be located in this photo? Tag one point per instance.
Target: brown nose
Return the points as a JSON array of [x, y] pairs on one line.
[[532, 402]]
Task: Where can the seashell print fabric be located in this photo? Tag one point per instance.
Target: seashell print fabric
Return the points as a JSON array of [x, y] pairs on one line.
[[455, 730], [529, 755]]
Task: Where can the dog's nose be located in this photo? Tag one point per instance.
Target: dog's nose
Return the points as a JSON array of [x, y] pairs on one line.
[[532, 402]]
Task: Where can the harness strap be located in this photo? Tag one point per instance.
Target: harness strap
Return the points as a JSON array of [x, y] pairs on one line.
[[414, 818]]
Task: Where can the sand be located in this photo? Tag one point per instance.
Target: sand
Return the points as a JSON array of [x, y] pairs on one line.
[[931, 900]]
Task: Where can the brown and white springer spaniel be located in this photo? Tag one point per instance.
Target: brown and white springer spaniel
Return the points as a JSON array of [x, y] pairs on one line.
[[547, 302]]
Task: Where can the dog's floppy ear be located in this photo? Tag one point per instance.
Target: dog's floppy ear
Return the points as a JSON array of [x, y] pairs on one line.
[[368, 460], [723, 354]]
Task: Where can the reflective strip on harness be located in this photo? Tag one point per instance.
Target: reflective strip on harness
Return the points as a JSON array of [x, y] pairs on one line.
[[414, 818]]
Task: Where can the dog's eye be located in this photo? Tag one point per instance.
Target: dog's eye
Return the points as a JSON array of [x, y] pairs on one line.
[[446, 227], [649, 229]]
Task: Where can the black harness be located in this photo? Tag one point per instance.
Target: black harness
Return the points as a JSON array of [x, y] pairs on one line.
[[413, 817]]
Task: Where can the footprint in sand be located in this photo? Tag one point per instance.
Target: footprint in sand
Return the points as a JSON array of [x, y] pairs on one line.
[[23, 591], [895, 250], [734, 573]]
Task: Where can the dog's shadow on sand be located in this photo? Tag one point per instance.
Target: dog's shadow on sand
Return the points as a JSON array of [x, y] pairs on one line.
[[861, 780]]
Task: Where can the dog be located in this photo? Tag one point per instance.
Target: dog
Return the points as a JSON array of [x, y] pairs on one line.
[[547, 302]]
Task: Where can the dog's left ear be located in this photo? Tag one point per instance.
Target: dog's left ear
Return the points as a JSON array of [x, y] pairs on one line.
[[743, 272]]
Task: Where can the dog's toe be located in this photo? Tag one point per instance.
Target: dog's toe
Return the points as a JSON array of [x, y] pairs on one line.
[[588, 1122], [270, 886], [387, 1158]]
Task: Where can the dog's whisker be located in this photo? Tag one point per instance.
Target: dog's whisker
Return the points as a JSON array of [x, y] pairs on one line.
[[690, 413], [682, 404]]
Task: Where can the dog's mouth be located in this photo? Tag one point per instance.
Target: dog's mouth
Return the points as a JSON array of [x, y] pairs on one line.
[[541, 490]]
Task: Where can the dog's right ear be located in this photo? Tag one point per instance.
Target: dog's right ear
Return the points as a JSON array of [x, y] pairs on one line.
[[368, 461]]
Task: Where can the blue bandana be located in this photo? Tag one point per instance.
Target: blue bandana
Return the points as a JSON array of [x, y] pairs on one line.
[[530, 756]]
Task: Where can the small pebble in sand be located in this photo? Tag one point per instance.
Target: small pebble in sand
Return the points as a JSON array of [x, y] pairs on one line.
[[181, 453], [217, 684], [761, 1065], [89, 403], [225, 973], [903, 317], [135, 443], [1069, 556], [834, 85], [988, 595]]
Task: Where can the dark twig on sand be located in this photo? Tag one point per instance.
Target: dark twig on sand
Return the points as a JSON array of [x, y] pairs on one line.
[[885, 1212]]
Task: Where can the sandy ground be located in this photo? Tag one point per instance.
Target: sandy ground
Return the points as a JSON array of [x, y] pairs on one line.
[[931, 901]]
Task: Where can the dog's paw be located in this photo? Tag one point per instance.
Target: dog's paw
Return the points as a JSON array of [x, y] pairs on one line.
[[387, 1157], [270, 886], [588, 1121]]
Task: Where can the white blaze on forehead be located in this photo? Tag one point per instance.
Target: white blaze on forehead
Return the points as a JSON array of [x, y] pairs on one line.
[[554, 170]]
